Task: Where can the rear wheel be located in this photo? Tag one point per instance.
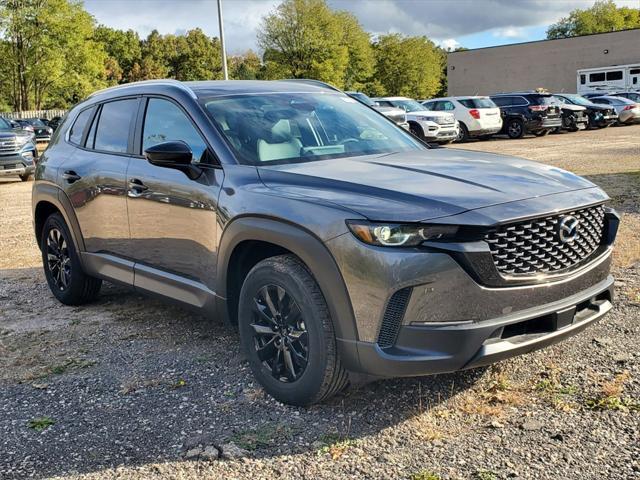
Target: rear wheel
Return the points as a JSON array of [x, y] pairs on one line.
[[416, 130], [287, 334], [543, 133], [26, 177], [463, 133], [515, 128], [62, 268]]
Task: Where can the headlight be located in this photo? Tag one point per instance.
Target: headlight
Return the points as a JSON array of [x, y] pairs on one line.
[[22, 140], [397, 234]]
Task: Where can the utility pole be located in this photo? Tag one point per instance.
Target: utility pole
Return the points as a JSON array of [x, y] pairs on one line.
[[225, 72]]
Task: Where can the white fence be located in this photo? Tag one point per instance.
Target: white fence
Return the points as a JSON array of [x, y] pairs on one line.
[[48, 114]]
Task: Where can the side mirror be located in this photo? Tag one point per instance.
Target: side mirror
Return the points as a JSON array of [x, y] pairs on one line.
[[176, 155]]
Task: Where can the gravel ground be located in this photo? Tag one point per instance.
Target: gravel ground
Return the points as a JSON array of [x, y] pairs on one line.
[[129, 387]]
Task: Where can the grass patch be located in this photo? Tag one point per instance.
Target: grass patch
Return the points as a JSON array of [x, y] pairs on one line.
[[492, 400], [551, 389], [263, 437], [486, 475], [71, 364], [610, 396], [41, 423], [424, 475], [335, 445]]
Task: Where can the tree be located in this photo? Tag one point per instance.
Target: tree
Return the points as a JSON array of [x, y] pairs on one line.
[[245, 67], [195, 57], [306, 39], [123, 50], [408, 66], [603, 16]]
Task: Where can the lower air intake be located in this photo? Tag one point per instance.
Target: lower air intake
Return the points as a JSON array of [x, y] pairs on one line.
[[393, 318]]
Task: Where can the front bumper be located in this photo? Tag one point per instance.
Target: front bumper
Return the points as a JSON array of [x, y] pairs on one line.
[[434, 132], [441, 348], [16, 164]]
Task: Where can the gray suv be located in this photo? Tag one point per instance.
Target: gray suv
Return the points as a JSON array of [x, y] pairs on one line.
[[334, 240], [18, 152]]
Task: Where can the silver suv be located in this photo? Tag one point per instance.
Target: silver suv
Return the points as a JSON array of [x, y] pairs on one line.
[[335, 240], [18, 152]]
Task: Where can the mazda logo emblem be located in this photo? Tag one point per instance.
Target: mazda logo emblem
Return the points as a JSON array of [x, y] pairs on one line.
[[568, 229]]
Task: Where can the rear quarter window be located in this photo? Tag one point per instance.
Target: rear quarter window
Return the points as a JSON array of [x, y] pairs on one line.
[[79, 126], [478, 103]]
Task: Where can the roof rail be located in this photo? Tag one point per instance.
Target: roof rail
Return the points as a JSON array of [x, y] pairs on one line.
[[311, 81], [167, 81]]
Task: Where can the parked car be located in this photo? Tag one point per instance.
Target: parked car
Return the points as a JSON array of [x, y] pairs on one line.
[[398, 115], [574, 117], [55, 122], [600, 116], [18, 152], [635, 96], [476, 116], [436, 127], [334, 240], [590, 95], [628, 111], [528, 112], [41, 130], [19, 124]]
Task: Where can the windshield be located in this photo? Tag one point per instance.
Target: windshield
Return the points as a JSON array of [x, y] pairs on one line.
[[302, 127], [36, 122], [484, 102], [4, 125], [578, 100], [409, 105]]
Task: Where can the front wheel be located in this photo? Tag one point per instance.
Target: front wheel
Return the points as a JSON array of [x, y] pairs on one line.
[[62, 268], [26, 177], [287, 333], [463, 133], [416, 130]]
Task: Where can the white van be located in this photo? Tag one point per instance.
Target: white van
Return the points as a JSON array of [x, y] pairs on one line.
[[609, 79]]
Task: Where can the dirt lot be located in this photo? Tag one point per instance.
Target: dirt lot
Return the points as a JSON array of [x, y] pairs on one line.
[[129, 387]]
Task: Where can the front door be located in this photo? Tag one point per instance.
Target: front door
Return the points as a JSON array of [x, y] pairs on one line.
[[173, 219]]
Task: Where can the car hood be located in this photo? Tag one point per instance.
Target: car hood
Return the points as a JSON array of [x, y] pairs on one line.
[[417, 186], [430, 113]]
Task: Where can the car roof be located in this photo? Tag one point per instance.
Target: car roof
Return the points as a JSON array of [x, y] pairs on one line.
[[393, 98], [611, 97], [214, 88]]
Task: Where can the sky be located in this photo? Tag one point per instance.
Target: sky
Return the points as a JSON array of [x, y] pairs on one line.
[[450, 23]]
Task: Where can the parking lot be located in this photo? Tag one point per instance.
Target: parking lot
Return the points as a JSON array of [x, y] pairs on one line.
[[127, 387]]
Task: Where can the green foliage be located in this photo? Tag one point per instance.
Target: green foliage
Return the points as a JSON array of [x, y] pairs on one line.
[[247, 66], [306, 39], [41, 423], [407, 66], [123, 49], [603, 16]]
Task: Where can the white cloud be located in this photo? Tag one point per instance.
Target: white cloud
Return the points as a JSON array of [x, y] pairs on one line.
[[509, 32], [449, 44]]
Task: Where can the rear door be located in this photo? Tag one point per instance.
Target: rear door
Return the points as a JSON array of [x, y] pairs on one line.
[[94, 177], [173, 219]]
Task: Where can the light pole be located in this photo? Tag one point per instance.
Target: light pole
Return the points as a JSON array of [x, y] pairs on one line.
[[224, 53]]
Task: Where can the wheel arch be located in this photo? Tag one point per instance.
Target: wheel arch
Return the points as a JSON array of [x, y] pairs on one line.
[[48, 199], [278, 237]]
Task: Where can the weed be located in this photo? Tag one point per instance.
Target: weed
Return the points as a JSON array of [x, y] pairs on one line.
[[424, 475], [72, 363], [179, 384], [263, 436], [41, 423], [335, 445], [610, 396], [486, 475]]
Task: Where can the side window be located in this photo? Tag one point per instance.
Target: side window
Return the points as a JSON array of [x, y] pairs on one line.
[[615, 75], [79, 126], [583, 79], [503, 101], [596, 77], [114, 125], [164, 122], [430, 105], [448, 106]]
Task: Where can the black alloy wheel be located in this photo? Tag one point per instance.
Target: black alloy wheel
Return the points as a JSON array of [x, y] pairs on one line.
[[280, 335], [58, 259], [515, 128]]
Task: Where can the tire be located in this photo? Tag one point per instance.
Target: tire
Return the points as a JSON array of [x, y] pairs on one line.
[[463, 134], [62, 268], [542, 133], [446, 142], [416, 130], [515, 128], [25, 178], [313, 371]]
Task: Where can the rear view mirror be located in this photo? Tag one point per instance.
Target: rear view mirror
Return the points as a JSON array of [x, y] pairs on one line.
[[176, 155]]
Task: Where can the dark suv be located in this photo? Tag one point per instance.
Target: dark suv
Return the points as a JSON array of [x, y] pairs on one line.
[[332, 238], [535, 113]]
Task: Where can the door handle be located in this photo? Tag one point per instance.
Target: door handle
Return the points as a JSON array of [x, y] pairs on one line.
[[70, 176], [136, 188]]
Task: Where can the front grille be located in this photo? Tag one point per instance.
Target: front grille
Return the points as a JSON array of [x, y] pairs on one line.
[[449, 120], [8, 146], [393, 318], [535, 247]]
